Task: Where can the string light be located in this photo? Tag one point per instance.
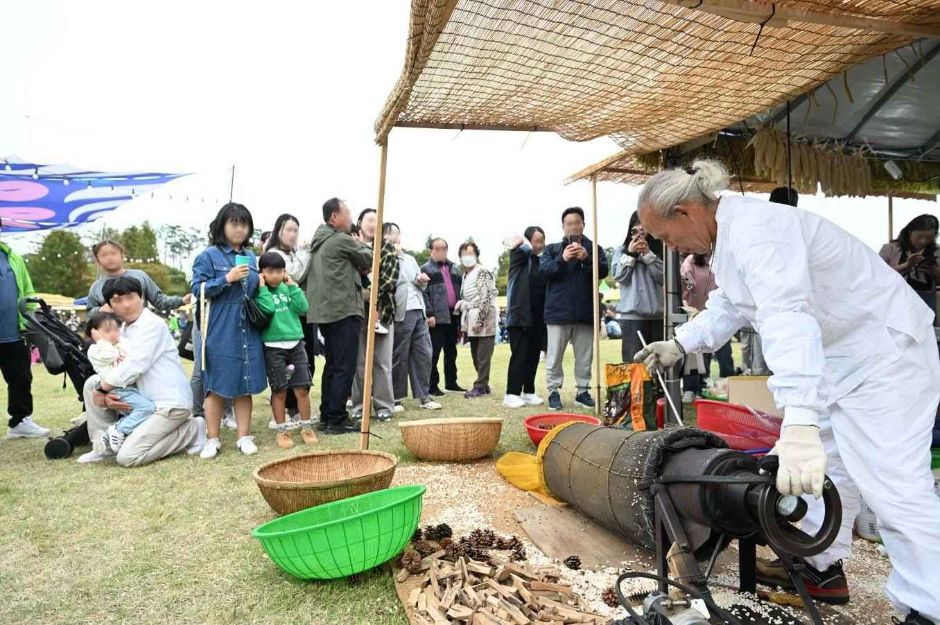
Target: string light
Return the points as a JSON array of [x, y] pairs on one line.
[[65, 181]]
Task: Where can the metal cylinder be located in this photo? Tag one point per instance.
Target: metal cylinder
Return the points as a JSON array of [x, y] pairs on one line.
[[606, 473]]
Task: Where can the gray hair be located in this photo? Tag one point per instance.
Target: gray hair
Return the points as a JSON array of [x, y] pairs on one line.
[[700, 183]]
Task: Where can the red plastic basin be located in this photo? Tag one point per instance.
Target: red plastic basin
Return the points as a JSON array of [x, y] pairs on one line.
[[553, 418]]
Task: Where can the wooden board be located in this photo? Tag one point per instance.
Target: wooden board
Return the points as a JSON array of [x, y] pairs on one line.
[[562, 531]]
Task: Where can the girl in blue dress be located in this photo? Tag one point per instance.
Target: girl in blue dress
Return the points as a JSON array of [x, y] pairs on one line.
[[234, 362]]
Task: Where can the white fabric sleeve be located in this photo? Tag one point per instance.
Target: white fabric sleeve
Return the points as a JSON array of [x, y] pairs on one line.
[[103, 355], [141, 357], [775, 267], [711, 328]]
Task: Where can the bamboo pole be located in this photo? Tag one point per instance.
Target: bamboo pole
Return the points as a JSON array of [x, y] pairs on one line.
[[890, 217], [595, 270], [373, 299]]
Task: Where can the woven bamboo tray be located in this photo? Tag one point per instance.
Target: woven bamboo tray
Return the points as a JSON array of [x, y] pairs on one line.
[[451, 440], [306, 480]]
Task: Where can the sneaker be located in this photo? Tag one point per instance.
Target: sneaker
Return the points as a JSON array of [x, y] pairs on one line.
[[584, 399], [383, 415], [914, 618], [399, 408], [283, 440], [115, 438], [429, 404], [272, 424], [554, 401], [93, 456], [436, 392], [27, 428], [210, 449], [531, 399], [246, 444], [356, 416], [346, 426], [196, 447], [309, 436], [688, 397], [513, 401], [229, 423], [349, 403], [380, 329], [487, 389], [829, 586], [456, 388], [475, 392]]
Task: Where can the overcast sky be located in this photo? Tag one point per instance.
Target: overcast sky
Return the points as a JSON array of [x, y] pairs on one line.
[[288, 92]]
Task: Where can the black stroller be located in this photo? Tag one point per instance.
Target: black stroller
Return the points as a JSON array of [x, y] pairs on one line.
[[62, 352]]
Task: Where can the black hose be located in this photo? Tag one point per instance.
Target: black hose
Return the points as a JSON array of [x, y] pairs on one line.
[[639, 620]]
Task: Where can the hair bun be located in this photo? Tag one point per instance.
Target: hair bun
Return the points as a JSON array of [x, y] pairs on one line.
[[710, 176]]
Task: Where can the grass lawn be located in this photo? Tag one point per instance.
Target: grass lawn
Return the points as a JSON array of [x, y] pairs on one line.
[[170, 542]]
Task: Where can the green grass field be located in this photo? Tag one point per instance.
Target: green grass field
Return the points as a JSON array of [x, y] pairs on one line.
[[170, 542]]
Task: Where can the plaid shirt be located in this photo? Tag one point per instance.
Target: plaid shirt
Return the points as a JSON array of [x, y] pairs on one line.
[[388, 283]]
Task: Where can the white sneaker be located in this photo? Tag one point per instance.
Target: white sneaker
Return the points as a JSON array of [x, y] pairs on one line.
[[200, 443], [430, 404], [246, 444], [115, 438], [688, 397], [27, 429], [398, 408], [513, 401], [531, 399], [272, 424], [210, 449], [380, 329], [348, 404], [229, 423], [93, 456]]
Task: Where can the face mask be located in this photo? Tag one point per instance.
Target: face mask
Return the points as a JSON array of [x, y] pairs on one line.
[[468, 261]]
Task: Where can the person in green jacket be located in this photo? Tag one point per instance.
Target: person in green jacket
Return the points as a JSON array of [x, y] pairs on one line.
[[15, 360], [334, 293], [285, 356]]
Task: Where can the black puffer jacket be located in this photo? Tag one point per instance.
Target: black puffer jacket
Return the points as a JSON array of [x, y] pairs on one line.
[[525, 293], [569, 297]]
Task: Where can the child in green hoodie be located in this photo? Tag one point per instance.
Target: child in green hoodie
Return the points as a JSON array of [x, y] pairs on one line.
[[284, 354]]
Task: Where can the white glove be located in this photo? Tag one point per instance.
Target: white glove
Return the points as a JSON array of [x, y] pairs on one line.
[[802, 461], [660, 354]]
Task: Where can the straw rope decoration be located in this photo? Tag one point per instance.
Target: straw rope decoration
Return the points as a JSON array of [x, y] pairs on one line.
[[652, 74]]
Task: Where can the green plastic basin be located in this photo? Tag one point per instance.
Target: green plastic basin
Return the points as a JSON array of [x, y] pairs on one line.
[[344, 537]]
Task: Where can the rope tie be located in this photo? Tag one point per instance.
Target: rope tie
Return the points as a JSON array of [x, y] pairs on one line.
[[773, 11]]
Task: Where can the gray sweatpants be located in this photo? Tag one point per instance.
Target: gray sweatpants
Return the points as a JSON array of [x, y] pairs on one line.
[[411, 356], [382, 398], [166, 432], [581, 336]]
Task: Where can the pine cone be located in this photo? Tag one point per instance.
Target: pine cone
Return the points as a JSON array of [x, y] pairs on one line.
[[424, 547], [518, 554], [609, 597], [507, 543], [418, 535], [453, 552], [444, 543], [573, 562], [482, 538], [411, 560], [437, 532], [479, 554]]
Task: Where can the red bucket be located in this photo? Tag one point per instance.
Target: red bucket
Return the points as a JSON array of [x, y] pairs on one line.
[[552, 419], [741, 427]]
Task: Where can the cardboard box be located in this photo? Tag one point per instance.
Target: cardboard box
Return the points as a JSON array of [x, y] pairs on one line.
[[752, 391]]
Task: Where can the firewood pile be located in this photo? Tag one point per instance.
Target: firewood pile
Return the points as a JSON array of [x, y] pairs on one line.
[[475, 593]]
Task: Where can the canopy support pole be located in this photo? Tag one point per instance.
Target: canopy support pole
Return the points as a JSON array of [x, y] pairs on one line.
[[890, 217], [595, 269], [373, 299]]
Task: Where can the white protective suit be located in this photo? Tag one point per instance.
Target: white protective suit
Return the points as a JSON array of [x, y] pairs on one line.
[[853, 350]]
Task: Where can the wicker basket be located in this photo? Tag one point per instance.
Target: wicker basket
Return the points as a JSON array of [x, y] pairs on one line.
[[299, 482], [451, 440]]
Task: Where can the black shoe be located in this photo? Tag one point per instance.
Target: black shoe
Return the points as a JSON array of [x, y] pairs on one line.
[[436, 392], [456, 388], [829, 586], [345, 426], [914, 618]]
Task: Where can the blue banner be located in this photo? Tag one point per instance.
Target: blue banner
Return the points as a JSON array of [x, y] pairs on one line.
[[40, 197]]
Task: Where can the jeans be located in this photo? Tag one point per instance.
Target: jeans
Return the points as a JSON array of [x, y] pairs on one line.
[[444, 338], [15, 363], [341, 350], [526, 346], [141, 408], [411, 356]]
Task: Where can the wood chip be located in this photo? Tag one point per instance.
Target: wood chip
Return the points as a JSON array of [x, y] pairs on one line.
[[536, 586]]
